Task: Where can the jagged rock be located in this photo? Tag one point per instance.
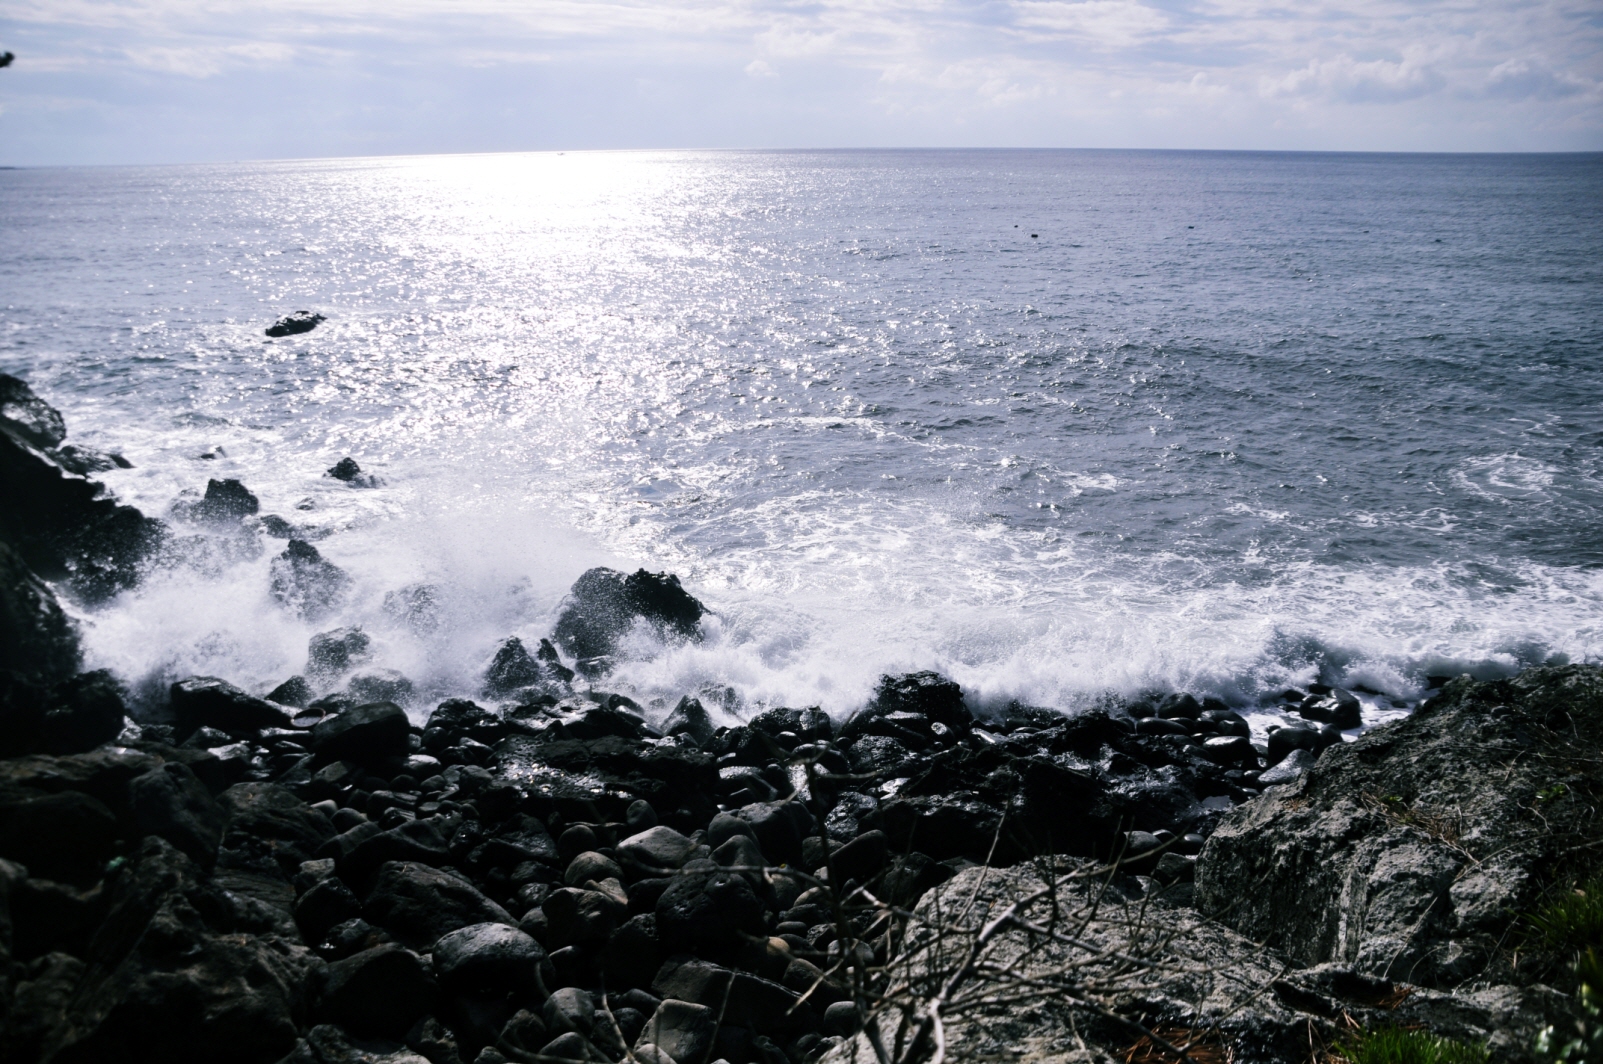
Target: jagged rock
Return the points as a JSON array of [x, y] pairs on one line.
[[67, 836], [333, 653], [293, 324], [294, 691], [690, 718], [419, 904], [170, 801], [306, 582], [604, 603], [208, 702], [57, 522], [36, 639], [514, 669], [168, 980], [1397, 854], [225, 500]]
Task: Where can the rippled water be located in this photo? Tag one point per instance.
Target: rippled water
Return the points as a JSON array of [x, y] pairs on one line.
[[1055, 423]]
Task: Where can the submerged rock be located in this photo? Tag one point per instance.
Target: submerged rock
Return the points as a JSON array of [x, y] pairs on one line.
[[349, 472], [292, 324]]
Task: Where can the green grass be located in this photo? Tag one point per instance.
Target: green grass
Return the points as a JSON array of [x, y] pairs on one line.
[[1573, 921], [1391, 1045]]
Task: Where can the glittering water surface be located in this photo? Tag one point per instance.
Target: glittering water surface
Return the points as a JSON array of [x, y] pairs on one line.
[[1055, 423]]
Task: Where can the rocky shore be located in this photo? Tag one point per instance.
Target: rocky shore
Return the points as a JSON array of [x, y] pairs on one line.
[[549, 871]]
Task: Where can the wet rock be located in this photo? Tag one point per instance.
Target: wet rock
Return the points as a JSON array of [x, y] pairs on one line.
[[419, 904], [303, 581], [293, 324], [379, 992], [295, 692], [208, 702], [1339, 707], [170, 801], [62, 526], [656, 849], [326, 905], [349, 472], [381, 685], [603, 604], [365, 733], [1293, 765], [690, 718], [333, 653], [1282, 741], [36, 641], [514, 670], [493, 954], [82, 712], [224, 501], [29, 417], [682, 1029], [460, 717], [1230, 750], [707, 911], [927, 694]]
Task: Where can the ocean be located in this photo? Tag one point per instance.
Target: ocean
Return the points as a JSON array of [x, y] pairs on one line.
[[1058, 424]]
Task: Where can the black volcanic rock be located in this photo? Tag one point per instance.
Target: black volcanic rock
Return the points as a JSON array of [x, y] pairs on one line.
[[306, 582], [604, 603], [292, 324]]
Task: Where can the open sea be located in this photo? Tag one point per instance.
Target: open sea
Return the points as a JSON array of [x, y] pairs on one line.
[[1054, 423]]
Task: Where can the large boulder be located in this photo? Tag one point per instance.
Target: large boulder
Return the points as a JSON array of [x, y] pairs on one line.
[[63, 526], [418, 904], [171, 802], [363, 733], [603, 604], [208, 702], [36, 638], [169, 978], [1405, 853]]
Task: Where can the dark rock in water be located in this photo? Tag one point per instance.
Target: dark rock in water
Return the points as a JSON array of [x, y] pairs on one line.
[[378, 992], [363, 733], [459, 717], [83, 712], [334, 653], [690, 718], [1339, 707], [36, 639], [304, 581], [604, 603], [32, 419], [1230, 750], [206, 701], [928, 694], [294, 691], [383, 685], [417, 606], [514, 669], [419, 904], [292, 324], [225, 500], [85, 461], [171, 802], [348, 471], [1180, 706], [57, 522]]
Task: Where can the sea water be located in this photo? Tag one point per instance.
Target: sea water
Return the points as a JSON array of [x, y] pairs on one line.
[[1057, 424]]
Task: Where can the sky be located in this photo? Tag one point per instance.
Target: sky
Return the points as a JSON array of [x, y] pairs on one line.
[[155, 81]]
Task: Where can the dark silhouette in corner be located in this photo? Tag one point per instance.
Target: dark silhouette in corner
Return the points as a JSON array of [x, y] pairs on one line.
[[6, 58]]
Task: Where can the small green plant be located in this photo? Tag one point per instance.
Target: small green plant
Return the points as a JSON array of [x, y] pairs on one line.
[[1579, 1044], [1572, 923], [1393, 1045]]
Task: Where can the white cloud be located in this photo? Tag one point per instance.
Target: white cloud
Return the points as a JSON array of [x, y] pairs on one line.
[[1350, 81], [1523, 79], [759, 68], [1109, 23]]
